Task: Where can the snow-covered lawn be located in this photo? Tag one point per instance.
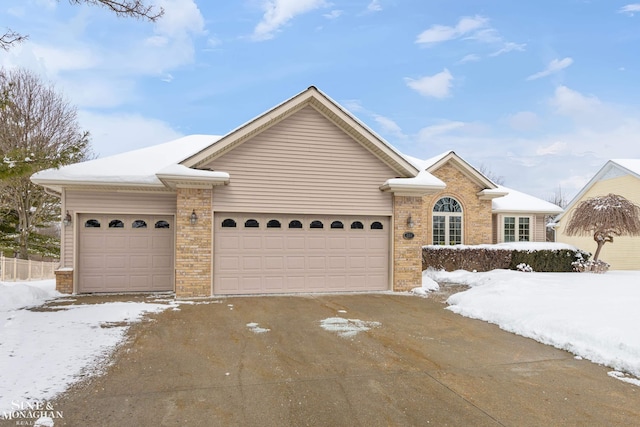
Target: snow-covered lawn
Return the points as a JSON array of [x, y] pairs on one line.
[[594, 316], [43, 352]]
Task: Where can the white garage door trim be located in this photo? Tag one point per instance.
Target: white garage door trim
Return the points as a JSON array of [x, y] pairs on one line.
[[268, 258], [125, 253]]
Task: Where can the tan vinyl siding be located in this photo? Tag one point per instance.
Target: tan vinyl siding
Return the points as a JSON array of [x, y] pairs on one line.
[[304, 164], [624, 252], [539, 230], [77, 201]]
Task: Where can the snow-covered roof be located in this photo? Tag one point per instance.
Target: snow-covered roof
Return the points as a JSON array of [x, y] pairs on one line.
[[632, 165], [516, 201], [133, 168]]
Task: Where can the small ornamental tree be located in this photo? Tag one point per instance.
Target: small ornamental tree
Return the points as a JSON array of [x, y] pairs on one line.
[[604, 217]]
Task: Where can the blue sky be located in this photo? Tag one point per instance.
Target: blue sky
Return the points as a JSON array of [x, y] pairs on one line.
[[541, 93]]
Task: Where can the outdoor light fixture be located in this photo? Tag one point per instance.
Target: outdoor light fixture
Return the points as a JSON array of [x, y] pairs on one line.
[[67, 219], [193, 218], [410, 222]]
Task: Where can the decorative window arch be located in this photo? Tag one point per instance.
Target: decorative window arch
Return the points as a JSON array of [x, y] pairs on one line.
[[447, 222], [162, 224], [316, 224], [229, 223], [376, 225], [295, 224], [116, 223], [92, 223], [357, 225], [251, 223], [274, 223], [139, 223], [337, 224]]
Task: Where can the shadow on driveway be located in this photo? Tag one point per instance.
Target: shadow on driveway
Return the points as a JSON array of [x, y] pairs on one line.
[[268, 361]]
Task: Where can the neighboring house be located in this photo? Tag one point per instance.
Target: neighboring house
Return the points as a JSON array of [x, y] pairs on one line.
[[622, 177], [303, 198]]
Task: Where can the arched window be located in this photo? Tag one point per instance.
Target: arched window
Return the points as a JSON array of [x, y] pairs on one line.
[[251, 223], [316, 224], [295, 224], [376, 225], [229, 223], [274, 223], [162, 224], [116, 223], [337, 224], [447, 222], [139, 223], [92, 223], [357, 225]]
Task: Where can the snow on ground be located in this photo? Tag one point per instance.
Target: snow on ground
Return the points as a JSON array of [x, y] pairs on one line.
[[43, 352], [347, 328], [594, 316]]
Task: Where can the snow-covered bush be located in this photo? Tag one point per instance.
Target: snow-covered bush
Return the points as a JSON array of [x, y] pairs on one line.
[[591, 266], [524, 267]]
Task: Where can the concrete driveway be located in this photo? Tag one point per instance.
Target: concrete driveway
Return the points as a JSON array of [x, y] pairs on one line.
[[418, 365]]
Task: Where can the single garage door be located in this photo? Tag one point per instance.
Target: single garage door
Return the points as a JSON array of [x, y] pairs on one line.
[[261, 253], [125, 253]]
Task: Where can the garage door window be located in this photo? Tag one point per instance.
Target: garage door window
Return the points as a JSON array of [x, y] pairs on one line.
[[337, 224], [229, 223], [251, 223], [357, 225], [139, 223], [92, 223], [274, 223], [116, 223], [295, 224], [376, 225], [316, 224], [162, 224]]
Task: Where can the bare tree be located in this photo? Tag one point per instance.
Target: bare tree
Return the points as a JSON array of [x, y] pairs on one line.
[[495, 178], [125, 8], [604, 217], [38, 130], [558, 199]]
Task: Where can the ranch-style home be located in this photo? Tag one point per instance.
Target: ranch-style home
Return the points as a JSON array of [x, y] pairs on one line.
[[303, 198], [618, 176]]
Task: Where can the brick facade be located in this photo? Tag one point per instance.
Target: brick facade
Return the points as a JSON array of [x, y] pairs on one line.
[[64, 281], [476, 213], [407, 262], [194, 243]]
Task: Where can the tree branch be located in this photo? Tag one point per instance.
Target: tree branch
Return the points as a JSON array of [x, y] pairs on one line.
[[127, 8]]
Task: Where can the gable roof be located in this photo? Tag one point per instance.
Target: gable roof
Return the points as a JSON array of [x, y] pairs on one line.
[[132, 169], [516, 201], [621, 166], [326, 106]]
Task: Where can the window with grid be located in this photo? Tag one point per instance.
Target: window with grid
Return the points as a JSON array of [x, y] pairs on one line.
[[447, 222], [523, 229], [509, 229]]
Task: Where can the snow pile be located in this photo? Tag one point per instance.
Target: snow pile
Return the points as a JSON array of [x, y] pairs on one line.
[[43, 352], [15, 295], [428, 285], [594, 316]]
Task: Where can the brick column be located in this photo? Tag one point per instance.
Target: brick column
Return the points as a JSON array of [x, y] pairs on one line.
[[407, 262], [64, 280], [194, 243]]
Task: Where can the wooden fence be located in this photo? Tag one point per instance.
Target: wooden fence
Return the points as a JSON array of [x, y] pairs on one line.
[[13, 269]]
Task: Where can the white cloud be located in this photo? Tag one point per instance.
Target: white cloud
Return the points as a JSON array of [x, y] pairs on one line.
[[441, 33], [389, 126], [555, 148], [472, 57], [181, 17], [278, 13], [374, 6], [509, 47], [630, 9], [437, 86], [428, 132], [571, 103], [554, 66], [117, 133], [336, 13], [524, 121]]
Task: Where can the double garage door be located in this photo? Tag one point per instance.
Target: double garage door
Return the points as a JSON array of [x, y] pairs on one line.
[[125, 253], [262, 253]]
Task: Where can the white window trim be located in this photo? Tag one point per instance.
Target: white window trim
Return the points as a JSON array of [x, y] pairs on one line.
[[447, 215], [517, 217]]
